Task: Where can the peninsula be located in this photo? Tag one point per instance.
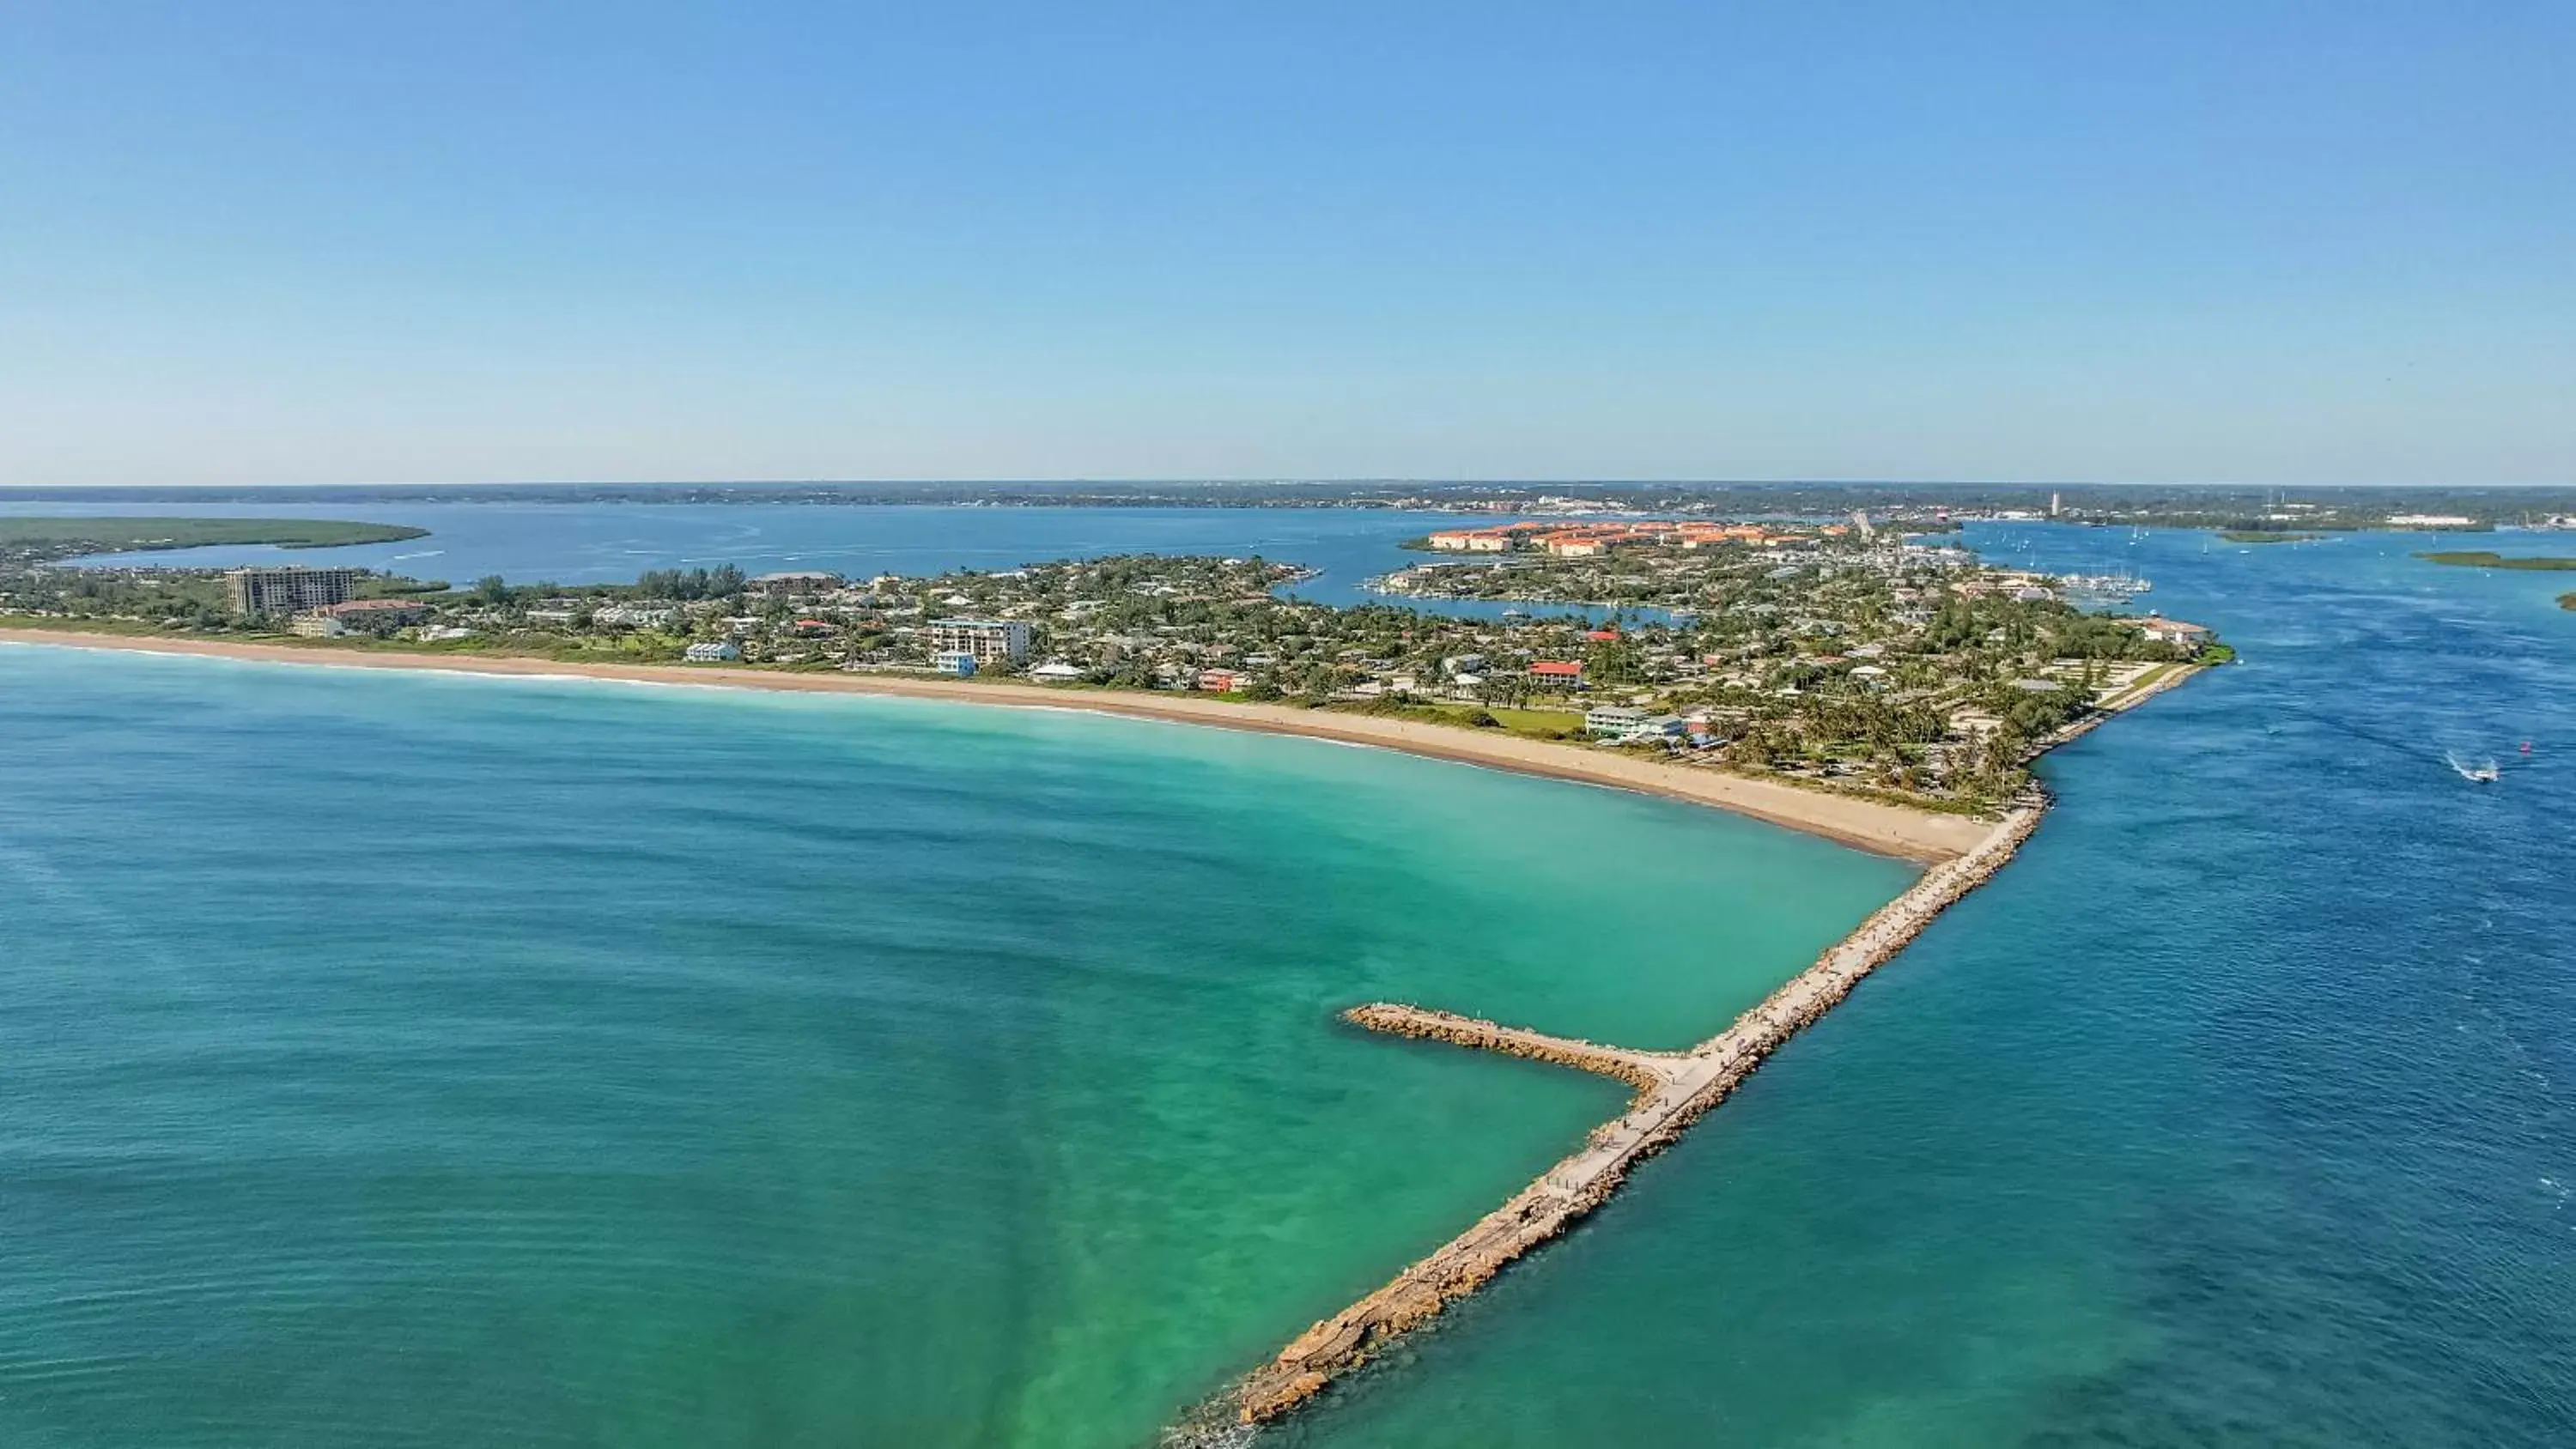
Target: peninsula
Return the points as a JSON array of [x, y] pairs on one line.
[[1744, 662], [29, 540]]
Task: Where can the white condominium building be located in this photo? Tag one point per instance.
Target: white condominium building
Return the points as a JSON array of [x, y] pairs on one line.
[[990, 641]]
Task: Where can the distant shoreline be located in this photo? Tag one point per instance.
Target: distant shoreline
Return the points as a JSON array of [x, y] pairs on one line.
[[1922, 836]]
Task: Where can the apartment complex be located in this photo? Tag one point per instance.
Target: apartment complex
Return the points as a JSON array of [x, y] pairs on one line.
[[288, 590], [986, 641]]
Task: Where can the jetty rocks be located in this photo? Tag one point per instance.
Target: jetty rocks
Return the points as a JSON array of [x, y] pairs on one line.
[[1673, 1090]]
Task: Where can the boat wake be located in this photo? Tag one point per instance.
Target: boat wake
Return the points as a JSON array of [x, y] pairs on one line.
[[2485, 774]]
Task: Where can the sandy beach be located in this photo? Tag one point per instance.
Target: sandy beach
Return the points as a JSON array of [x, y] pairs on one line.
[[1918, 835]]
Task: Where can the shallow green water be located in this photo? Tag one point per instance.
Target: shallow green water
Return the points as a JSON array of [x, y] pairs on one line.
[[454, 1061]]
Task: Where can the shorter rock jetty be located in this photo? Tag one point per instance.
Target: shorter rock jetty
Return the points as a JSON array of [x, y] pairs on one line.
[[1674, 1089], [1645, 1071]]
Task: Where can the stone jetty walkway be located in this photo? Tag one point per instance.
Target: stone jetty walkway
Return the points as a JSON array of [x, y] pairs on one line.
[[1674, 1089]]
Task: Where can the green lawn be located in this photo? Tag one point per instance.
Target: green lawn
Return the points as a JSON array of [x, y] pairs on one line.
[[1536, 724]]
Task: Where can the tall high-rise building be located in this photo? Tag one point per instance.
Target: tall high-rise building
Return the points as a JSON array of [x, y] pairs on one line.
[[289, 590]]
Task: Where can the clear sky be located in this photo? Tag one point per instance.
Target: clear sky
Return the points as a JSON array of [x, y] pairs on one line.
[[347, 242]]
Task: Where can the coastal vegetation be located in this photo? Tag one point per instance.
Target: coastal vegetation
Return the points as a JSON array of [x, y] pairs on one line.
[[35, 540], [2486, 559]]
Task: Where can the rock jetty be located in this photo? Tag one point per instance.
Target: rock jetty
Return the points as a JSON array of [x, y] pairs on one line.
[[1674, 1089]]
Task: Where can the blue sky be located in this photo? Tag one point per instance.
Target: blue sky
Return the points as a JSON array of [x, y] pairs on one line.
[[250, 242]]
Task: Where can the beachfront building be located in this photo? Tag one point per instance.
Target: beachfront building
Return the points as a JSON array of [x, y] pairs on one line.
[[1057, 672], [258, 592], [316, 624], [378, 616], [716, 651], [1224, 681], [986, 641], [1613, 721], [960, 662]]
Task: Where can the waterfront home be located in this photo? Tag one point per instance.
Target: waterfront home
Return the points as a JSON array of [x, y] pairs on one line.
[[1056, 672], [1562, 673], [715, 651], [2172, 631], [1223, 681], [1613, 721], [960, 662], [1472, 540]]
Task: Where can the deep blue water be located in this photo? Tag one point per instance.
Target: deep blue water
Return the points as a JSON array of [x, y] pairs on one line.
[[2240, 1110]]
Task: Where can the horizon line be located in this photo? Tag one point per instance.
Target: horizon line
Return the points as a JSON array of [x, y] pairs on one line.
[[1272, 482]]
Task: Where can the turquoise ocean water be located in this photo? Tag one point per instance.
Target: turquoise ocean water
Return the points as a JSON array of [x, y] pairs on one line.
[[450, 1061], [458, 1061]]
